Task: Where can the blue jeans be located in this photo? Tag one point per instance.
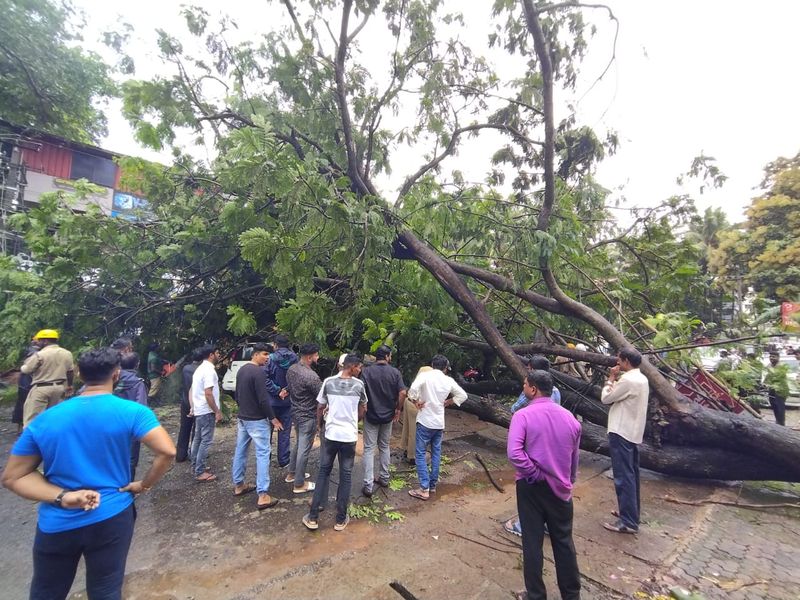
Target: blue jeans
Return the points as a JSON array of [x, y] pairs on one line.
[[284, 415], [104, 547], [204, 426], [305, 429], [425, 437], [258, 432], [625, 463], [346, 451]]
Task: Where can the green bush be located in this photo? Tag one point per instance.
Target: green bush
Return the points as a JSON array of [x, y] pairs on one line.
[[8, 395]]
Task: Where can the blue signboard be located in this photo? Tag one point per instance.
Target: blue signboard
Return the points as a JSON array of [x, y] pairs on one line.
[[130, 206]]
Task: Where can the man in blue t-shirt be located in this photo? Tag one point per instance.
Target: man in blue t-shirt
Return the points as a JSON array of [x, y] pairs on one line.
[[85, 491]]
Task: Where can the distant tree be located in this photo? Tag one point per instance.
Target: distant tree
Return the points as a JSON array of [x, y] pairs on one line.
[[46, 80], [765, 249]]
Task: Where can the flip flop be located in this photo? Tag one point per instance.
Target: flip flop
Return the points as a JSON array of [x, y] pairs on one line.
[[269, 504], [245, 490], [417, 494], [206, 477], [308, 486]]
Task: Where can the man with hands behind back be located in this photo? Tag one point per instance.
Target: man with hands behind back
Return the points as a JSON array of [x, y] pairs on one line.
[[86, 495]]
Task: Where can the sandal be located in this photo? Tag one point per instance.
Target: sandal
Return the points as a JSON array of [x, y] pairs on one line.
[[246, 489], [420, 494], [308, 486], [206, 477], [272, 502]]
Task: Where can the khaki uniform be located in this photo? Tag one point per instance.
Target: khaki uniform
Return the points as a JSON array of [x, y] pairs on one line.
[[48, 368], [409, 435]]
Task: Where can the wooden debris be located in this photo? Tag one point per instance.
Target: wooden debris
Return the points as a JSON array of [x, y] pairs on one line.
[[497, 486], [402, 590]]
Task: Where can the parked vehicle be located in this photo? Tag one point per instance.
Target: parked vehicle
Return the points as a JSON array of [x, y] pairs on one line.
[[240, 356]]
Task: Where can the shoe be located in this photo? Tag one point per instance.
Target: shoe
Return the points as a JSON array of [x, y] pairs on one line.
[[341, 526], [382, 483], [367, 491], [513, 527], [620, 527], [432, 489], [310, 523], [290, 477], [308, 486]]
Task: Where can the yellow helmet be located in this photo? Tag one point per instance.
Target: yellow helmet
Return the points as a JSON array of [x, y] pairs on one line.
[[570, 345], [46, 334]]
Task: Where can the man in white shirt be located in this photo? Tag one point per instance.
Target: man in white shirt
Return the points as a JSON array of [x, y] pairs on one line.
[[345, 397], [431, 392], [627, 394], [205, 408]]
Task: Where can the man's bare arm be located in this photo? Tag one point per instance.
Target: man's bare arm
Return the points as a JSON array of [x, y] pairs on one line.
[[163, 448], [21, 477]]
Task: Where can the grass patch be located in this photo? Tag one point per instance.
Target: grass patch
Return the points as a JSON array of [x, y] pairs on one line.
[[376, 512], [8, 395]]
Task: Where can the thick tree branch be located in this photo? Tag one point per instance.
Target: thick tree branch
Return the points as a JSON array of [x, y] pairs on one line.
[[353, 168], [293, 16], [505, 284], [577, 355]]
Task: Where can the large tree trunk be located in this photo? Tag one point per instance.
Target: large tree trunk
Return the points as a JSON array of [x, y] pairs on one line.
[[697, 462], [714, 444]]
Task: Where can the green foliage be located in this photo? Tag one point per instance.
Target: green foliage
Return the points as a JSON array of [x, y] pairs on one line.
[[8, 395], [765, 251], [375, 512], [241, 322], [280, 229], [46, 80], [673, 329]]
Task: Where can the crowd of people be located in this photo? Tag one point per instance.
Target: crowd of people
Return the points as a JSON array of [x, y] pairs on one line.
[[87, 496]]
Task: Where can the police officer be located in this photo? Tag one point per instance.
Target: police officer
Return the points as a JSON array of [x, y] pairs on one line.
[[51, 370]]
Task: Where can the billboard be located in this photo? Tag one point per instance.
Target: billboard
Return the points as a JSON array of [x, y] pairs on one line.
[[131, 207]]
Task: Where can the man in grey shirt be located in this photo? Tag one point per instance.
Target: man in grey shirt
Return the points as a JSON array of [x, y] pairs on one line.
[[303, 384]]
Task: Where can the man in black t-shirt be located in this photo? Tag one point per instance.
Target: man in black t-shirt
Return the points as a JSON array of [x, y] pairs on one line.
[[386, 393], [256, 421]]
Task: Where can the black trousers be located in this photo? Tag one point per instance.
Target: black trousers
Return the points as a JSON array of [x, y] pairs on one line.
[[184, 434], [537, 505], [778, 404], [104, 547]]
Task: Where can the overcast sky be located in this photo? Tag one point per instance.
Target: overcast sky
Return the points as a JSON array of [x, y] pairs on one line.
[[690, 76]]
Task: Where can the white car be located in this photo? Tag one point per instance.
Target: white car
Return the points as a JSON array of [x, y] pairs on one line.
[[241, 356]]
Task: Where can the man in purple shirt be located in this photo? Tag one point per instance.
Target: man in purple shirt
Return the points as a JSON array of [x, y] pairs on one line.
[[543, 441]]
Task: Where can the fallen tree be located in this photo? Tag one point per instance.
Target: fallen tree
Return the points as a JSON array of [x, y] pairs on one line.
[[313, 142], [697, 462]]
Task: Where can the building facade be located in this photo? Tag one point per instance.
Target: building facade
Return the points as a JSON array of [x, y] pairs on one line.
[[33, 163]]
